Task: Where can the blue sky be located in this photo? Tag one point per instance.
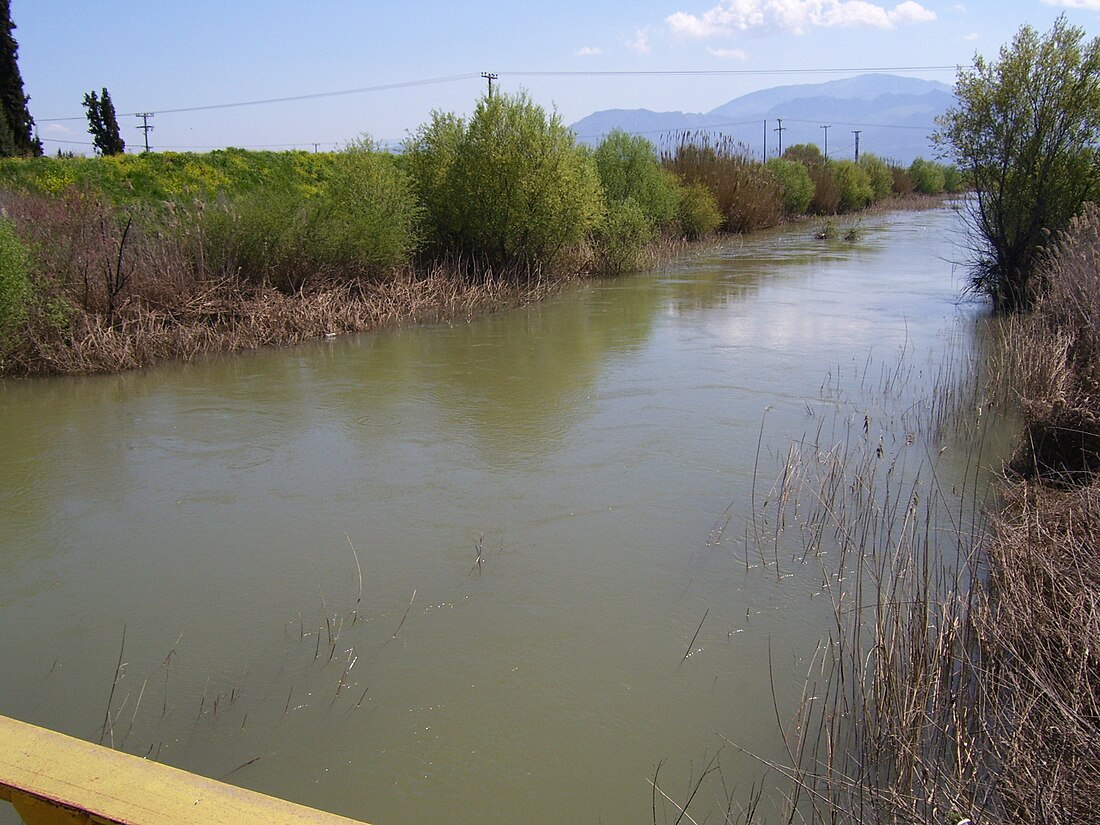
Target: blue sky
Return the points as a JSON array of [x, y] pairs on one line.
[[155, 56]]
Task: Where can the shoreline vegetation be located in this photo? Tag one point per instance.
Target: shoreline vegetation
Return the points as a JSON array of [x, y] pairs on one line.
[[118, 262], [960, 680]]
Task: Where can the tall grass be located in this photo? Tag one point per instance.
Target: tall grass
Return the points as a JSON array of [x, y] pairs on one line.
[[961, 676], [748, 195]]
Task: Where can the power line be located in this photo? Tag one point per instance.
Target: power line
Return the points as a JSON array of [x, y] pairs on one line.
[[470, 75], [734, 72], [289, 99]]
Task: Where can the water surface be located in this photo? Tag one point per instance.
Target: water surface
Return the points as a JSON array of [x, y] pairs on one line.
[[542, 506]]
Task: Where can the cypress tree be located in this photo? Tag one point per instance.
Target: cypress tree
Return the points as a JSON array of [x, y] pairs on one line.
[[103, 124], [16, 125]]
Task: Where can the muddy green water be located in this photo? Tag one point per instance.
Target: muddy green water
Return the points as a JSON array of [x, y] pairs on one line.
[[586, 448]]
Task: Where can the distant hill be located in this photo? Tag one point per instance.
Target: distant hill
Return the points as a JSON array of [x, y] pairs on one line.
[[895, 116]]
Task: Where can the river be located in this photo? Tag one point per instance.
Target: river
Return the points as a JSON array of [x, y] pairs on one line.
[[490, 571]]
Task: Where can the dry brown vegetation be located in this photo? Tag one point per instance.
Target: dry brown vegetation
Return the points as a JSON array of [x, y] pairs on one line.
[[121, 289], [961, 678]]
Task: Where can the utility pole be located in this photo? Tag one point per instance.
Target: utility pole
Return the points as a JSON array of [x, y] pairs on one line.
[[780, 130], [490, 76], [826, 128], [856, 133], [145, 127], [765, 141]]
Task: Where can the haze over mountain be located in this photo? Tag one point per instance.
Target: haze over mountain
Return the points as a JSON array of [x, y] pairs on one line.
[[894, 115]]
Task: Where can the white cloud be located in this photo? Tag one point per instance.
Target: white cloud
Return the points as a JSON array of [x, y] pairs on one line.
[[971, 37], [1087, 5], [730, 54], [640, 43], [588, 51], [57, 129], [797, 16]]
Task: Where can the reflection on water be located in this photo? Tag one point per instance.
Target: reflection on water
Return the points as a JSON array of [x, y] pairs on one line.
[[530, 499]]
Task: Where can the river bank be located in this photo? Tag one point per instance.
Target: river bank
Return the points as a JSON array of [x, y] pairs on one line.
[[586, 447], [117, 262], [962, 678]]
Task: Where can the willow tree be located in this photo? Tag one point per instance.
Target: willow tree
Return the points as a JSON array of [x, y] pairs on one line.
[[1025, 132], [509, 190]]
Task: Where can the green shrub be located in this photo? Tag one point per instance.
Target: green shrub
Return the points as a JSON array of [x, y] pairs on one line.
[[928, 176], [359, 220], [698, 211], [629, 168], [622, 236], [954, 181], [855, 185], [882, 179], [794, 179], [808, 154], [509, 189], [14, 282], [370, 214]]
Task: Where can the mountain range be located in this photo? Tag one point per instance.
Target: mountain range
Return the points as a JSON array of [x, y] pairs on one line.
[[893, 115]]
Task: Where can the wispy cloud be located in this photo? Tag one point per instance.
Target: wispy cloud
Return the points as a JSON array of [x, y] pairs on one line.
[[972, 37], [1088, 5], [798, 16], [57, 129], [729, 54], [640, 41], [588, 51]]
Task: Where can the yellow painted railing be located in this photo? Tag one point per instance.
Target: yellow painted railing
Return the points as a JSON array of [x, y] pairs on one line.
[[53, 779]]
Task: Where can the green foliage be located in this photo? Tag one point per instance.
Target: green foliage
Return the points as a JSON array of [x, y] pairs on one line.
[[14, 283], [509, 189], [360, 219], [629, 168], [856, 191], [954, 181], [927, 176], [370, 211], [1025, 133], [103, 124], [807, 154], [622, 236], [882, 179], [794, 178], [698, 211], [16, 124]]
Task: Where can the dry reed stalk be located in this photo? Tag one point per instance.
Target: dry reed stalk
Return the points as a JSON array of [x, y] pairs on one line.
[[226, 314]]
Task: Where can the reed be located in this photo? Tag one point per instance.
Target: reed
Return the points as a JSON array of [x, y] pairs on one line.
[[960, 680]]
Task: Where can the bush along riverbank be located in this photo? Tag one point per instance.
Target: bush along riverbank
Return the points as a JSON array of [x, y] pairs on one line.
[[116, 262], [961, 678]]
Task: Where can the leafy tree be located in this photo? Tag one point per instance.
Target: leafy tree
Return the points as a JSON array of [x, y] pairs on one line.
[[102, 124], [16, 124], [1025, 134], [882, 179], [794, 178], [928, 176], [808, 154], [629, 168], [698, 211], [510, 188], [856, 190]]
